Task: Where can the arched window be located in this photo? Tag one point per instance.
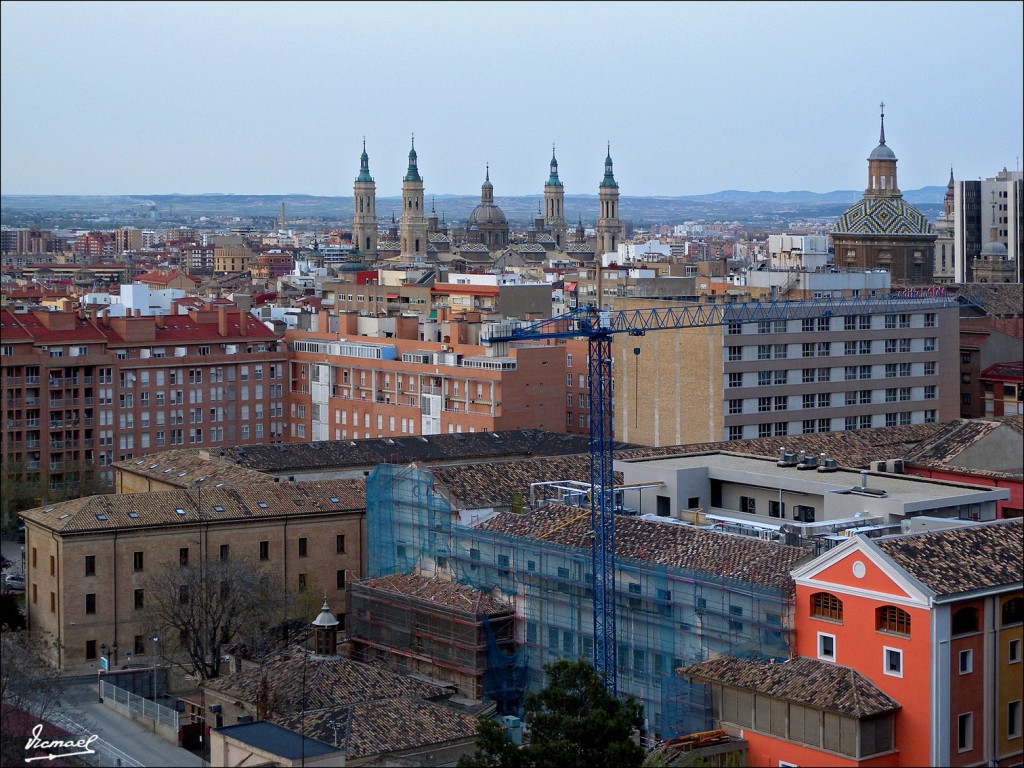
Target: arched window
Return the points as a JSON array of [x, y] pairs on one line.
[[826, 606], [965, 620], [1013, 611], [889, 618]]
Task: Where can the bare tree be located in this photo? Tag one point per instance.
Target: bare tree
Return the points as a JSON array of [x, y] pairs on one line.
[[198, 609], [30, 691]]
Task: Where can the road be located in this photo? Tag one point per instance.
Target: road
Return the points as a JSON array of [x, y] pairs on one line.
[[81, 704]]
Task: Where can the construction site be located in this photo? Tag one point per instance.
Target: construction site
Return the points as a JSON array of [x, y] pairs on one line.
[[682, 594]]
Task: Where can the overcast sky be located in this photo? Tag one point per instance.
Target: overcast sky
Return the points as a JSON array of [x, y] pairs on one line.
[[275, 98]]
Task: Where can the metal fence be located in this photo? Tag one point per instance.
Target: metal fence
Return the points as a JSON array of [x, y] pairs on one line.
[[140, 706], [106, 754]]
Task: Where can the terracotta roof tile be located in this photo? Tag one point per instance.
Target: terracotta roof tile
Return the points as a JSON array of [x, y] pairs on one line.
[[299, 681], [385, 725], [959, 560], [819, 684], [944, 449], [268, 499], [722, 555], [437, 591]]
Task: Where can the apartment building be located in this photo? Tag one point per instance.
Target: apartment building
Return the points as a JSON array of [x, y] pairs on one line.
[[348, 388], [79, 393], [87, 560], [779, 378]]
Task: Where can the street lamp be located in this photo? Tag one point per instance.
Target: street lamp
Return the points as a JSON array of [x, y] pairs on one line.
[[155, 640]]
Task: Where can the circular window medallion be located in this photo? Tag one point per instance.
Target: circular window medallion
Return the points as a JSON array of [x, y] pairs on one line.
[[859, 569]]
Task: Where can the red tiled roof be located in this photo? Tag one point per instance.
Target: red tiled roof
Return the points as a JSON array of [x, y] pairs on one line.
[[164, 278], [14, 327], [1005, 371]]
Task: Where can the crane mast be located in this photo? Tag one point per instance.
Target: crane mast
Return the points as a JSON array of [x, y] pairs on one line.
[[599, 327]]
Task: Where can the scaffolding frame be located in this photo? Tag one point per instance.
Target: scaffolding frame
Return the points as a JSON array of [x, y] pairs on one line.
[[667, 617]]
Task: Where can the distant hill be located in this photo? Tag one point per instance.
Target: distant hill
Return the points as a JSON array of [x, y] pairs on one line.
[[762, 207]]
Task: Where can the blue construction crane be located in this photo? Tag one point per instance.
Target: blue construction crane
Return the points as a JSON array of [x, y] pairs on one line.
[[598, 327]]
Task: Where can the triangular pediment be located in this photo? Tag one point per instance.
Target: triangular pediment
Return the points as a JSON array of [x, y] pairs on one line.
[[857, 567]]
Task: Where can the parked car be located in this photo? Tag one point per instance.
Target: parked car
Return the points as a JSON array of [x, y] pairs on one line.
[[14, 582]]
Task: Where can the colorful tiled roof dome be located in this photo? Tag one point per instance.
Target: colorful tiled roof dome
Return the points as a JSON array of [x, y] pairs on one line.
[[883, 216]]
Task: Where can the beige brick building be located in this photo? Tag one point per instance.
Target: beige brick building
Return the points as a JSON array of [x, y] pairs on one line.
[[87, 560]]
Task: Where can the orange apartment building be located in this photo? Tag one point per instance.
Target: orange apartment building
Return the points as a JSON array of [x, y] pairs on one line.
[[80, 392], [926, 628], [343, 387]]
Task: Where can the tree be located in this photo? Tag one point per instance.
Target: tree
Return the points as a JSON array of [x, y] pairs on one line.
[[197, 609], [574, 723], [30, 690]]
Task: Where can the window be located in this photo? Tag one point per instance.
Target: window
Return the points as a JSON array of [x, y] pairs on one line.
[[140, 599], [893, 662], [90, 565], [825, 605], [225, 551], [764, 404], [807, 350], [776, 509], [764, 378], [807, 375], [735, 379], [302, 582], [735, 433], [803, 513], [183, 556], [735, 406], [183, 594], [90, 603], [965, 732], [929, 369], [929, 320], [891, 619], [140, 647], [1013, 611], [929, 392], [90, 650], [826, 647], [965, 621], [1013, 719], [339, 543], [264, 550], [966, 662], [303, 547], [735, 353], [1013, 651], [850, 373], [137, 561], [340, 579]]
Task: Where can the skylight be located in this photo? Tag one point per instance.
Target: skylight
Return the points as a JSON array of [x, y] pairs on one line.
[[101, 518], [180, 511], [133, 515], [218, 508], [334, 500], [263, 505]]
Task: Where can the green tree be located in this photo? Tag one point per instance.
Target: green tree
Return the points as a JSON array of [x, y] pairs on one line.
[[574, 723]]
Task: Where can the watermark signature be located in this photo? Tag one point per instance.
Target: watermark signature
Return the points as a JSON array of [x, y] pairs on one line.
[[83, 745]]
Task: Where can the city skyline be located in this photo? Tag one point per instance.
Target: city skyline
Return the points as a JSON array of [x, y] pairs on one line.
[[199, 99]]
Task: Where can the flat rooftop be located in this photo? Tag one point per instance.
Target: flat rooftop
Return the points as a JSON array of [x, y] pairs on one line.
[[911, 490]]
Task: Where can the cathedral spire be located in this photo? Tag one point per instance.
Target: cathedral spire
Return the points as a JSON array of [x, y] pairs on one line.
[[364, 165], [412, 173], [881, 135], [609, 177]]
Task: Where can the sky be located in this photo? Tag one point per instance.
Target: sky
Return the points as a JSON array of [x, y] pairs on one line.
[[101, 98]]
